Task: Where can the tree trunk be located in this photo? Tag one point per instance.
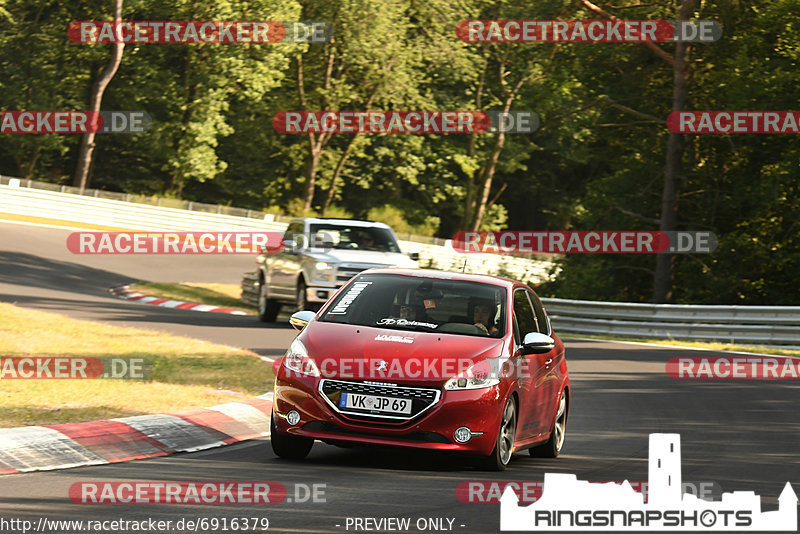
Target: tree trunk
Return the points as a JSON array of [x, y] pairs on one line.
[[336, 173], [487, 174], [486, 178], [469, 200], [311, 173], [662, 286], [87, 142]]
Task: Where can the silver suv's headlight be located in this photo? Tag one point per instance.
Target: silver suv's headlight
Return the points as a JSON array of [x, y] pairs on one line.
[[324, 271], [484, 374], [297, 360]]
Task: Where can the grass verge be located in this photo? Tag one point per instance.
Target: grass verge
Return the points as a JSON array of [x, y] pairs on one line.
[[222, 295], [710, 345], [186, 373]]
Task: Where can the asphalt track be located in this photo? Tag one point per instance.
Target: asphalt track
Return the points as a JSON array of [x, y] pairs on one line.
[[741, 435]]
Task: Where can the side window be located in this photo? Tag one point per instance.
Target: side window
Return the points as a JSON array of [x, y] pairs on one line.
[[538, 310], [524, 313]]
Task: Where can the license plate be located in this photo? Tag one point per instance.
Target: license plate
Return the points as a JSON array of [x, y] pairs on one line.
[[375, 403]]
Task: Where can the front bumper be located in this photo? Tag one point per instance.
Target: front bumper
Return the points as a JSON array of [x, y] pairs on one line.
[[320, 294], [480, 410]]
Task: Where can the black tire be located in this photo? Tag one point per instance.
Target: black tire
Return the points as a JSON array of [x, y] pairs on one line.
[[286, 445], [504, 446], [552, 448], [267, 308], [300, 302]]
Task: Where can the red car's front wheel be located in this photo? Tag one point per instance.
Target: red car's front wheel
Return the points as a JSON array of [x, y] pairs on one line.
[[288, 446], [504, 447]]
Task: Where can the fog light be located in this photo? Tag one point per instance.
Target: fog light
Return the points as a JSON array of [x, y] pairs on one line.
[[322, 294], [293, 417], [463, 434]]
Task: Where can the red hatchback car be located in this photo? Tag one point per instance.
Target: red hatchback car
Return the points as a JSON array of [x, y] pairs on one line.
[[425, 359]]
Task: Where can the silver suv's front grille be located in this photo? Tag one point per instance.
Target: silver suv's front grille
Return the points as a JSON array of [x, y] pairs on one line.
[[345, 272], [421, 398]]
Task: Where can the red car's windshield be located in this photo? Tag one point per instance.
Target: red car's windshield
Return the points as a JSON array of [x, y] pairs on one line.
[[416, 303]]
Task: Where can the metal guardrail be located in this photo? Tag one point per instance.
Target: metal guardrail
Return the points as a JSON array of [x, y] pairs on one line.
[[763, 325]]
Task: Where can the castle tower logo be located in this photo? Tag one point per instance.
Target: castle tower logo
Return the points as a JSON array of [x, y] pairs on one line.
[[571, 504]]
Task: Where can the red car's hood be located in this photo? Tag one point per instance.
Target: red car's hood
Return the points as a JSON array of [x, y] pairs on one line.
[[356, 352]]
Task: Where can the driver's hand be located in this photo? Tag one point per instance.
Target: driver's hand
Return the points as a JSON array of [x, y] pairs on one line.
[[482, 327]]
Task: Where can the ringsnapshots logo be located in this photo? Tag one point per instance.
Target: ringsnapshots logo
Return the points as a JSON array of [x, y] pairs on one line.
[[405, 122], [583, 242], [74, 122], [198, 32], [570, 504], [588, 31], [734, 122]]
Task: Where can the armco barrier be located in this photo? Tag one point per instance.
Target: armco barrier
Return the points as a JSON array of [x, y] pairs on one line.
[[117, 213], [762, 325]]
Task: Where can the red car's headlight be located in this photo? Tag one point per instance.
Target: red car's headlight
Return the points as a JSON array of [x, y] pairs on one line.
[[483, 374], [297, 360]]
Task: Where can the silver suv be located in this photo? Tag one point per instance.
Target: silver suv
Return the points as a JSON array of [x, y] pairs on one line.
[[318, 256]]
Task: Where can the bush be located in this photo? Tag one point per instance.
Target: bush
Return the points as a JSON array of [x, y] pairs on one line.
[[395, 218]]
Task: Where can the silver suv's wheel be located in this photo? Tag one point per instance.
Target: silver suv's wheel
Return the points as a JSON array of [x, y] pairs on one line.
[[267, 309], [300, 302]]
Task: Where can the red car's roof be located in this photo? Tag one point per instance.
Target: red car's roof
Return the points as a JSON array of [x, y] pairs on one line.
[[449, 275]]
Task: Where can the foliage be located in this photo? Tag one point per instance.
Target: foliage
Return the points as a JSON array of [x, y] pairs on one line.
[[590, 165]]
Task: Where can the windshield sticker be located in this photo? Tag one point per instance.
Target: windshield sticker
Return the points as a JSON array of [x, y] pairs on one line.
[[396, 339], [348, 298], [404, 322]]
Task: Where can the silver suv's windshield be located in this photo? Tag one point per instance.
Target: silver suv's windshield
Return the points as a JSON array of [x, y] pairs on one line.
[[401, 302], [354, 237]]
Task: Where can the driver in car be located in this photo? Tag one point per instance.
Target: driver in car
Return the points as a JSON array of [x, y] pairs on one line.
[[367, 242], [482, 315]]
